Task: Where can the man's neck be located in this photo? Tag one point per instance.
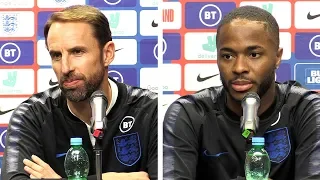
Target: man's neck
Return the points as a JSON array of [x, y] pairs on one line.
[[265, 102], [82, 109]]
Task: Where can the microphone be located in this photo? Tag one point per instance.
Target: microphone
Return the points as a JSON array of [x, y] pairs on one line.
[[250, 120], [98, 103]]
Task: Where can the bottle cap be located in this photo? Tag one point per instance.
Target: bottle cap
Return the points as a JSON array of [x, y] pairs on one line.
[[257, 140], [76, 141]]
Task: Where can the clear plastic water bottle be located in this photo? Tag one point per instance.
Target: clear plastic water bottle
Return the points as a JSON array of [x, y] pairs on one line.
[[76, 163], [257, 163]]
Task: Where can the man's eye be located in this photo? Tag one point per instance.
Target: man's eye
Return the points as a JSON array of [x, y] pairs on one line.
[[77, 52], [255, 55], [55, 56], [227, 56]]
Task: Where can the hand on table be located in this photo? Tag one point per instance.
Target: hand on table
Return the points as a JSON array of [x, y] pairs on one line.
[[39, 169]]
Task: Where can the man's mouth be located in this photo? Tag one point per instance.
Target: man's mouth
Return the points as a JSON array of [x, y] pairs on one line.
[[241, 85]]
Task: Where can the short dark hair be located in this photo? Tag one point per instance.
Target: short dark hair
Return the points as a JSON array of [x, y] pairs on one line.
[[86, 14], [253, 13]]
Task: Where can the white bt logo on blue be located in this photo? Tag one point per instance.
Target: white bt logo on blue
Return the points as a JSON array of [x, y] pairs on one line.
[[210, 15], [10, 53], [112, 2], [126, 124], [314, 45], [205, 15], [3, 138], [116, 75]]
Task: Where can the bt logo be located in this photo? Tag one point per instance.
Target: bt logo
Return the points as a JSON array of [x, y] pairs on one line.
[[112, 2], [210, 15], [126, 124], [3, 138], [10, 53], [3, 130], [116, 75], [314, 45]]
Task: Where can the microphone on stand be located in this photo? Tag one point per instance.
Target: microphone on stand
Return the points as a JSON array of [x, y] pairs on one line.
[[98, 103], [250, 120]]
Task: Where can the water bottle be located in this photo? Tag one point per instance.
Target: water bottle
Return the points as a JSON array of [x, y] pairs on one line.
[[257, 163], [76, 163]]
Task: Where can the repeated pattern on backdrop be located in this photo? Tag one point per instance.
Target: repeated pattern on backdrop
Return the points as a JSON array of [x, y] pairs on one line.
[[189, 42], [25, 65], [188, 45]]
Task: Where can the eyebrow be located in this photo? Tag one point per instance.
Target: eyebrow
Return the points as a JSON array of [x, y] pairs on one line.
[[250, 48], [69, 50], [53, 52], [76, 47]]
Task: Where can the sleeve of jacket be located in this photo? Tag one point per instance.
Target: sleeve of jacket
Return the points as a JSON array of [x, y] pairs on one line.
[[180, 143], [152, 164], [307, 133], [22, 141]]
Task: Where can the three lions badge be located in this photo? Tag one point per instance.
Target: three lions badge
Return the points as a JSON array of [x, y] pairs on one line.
[[277, 144], [127, 148]]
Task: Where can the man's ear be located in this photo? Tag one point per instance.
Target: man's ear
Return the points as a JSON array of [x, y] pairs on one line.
[[108, 53], [279, 57]]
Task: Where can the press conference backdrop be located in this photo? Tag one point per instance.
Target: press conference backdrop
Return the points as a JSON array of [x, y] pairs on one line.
[[25, 65], [189, 45], [189, 52]]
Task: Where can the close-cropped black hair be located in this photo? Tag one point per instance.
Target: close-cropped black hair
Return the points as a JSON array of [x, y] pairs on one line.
[[253, 13]]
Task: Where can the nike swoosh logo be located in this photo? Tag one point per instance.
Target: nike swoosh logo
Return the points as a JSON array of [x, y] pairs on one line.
[[205, 153], [153, 24], [201, 79], [60, 155], [5, 112], [118, 49], [310, 17], [51, 83]]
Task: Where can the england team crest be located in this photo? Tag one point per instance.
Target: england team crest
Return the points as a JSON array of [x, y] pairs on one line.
[[10, 23], [60, 1], [277, 144], [127, 148]]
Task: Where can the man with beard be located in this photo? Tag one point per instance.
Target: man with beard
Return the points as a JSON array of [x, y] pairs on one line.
[[202, 134], [79, 42]]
